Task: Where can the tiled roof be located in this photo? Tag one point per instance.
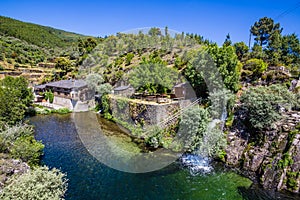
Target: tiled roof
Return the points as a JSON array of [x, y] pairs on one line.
[[67, 84]]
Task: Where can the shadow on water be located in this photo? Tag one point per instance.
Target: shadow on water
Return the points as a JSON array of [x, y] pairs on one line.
[[256, 193], [90, 179]]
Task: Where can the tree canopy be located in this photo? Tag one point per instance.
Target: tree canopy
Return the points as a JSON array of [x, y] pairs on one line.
[[262, 104], [264, 29], [15, 99], [153, 76]]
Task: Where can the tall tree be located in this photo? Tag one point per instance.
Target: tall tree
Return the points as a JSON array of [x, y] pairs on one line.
[[291, 50], [264, 29]]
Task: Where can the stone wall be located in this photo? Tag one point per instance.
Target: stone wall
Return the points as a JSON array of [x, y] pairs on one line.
[[275, 164], [76, 106], [63, 102], [142, 112]]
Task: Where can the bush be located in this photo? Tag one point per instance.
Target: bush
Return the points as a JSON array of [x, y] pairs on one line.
[[257, 66], [261, 105], [40, 183], [18, 141], [27, 149], [49, 96]]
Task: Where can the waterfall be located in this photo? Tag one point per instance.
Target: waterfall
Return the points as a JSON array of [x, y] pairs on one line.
[[199, 162], [196, 164], [224, 114]]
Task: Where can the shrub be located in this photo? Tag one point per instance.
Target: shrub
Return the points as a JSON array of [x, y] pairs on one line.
[[257, 66], [27, 149], [18, 141], [261, 105], [40, 183]]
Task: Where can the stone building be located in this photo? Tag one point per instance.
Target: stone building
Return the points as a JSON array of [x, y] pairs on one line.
[[125, 91], [72, 94], [184, 91]]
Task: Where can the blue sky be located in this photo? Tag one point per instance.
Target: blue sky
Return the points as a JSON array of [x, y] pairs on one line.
[[212, 19]]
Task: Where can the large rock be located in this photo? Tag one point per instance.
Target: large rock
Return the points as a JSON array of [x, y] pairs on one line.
[[10, 167], [276, 162]]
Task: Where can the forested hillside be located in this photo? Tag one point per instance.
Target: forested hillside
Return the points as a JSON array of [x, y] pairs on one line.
[[41, 36]]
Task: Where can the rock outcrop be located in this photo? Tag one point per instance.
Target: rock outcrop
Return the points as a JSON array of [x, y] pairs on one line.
[[275, 163], [10, 167]]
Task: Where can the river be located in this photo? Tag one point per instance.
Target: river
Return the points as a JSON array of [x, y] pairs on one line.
[[90, 179]]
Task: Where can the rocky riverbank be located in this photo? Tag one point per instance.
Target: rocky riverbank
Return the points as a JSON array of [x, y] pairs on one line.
[[275, 162]]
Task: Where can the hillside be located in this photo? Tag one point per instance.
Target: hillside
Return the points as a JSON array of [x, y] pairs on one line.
[[41, 36], [30, 50]]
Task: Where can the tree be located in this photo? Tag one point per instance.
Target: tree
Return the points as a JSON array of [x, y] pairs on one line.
[[274, 50], [64, 64], [153, 76], [228, 65], [15, 99], [154, 32], [264, 29], [96, 83], [193, 123], [241, 50], [87, 45], [258, 52], [227, 41], [198, 133], [40, 183], [261, 105], [290, 50], [213, 67]]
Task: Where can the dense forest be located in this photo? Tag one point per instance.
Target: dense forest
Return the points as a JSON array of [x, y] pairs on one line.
[[257, 84]]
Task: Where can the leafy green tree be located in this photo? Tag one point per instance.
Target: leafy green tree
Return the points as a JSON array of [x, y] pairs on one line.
[[64, 64], [153, 76], [261, 105], [241, 50], [228, 65], [87, 45], [264, 29], [195, 78], [198, 132], [213, 67], [257, 52], [290, 50], [27, 149], [129, 57], [49, 96], [192, 126], [15, 98], [155, 32], [96, 83], [40, 183]]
